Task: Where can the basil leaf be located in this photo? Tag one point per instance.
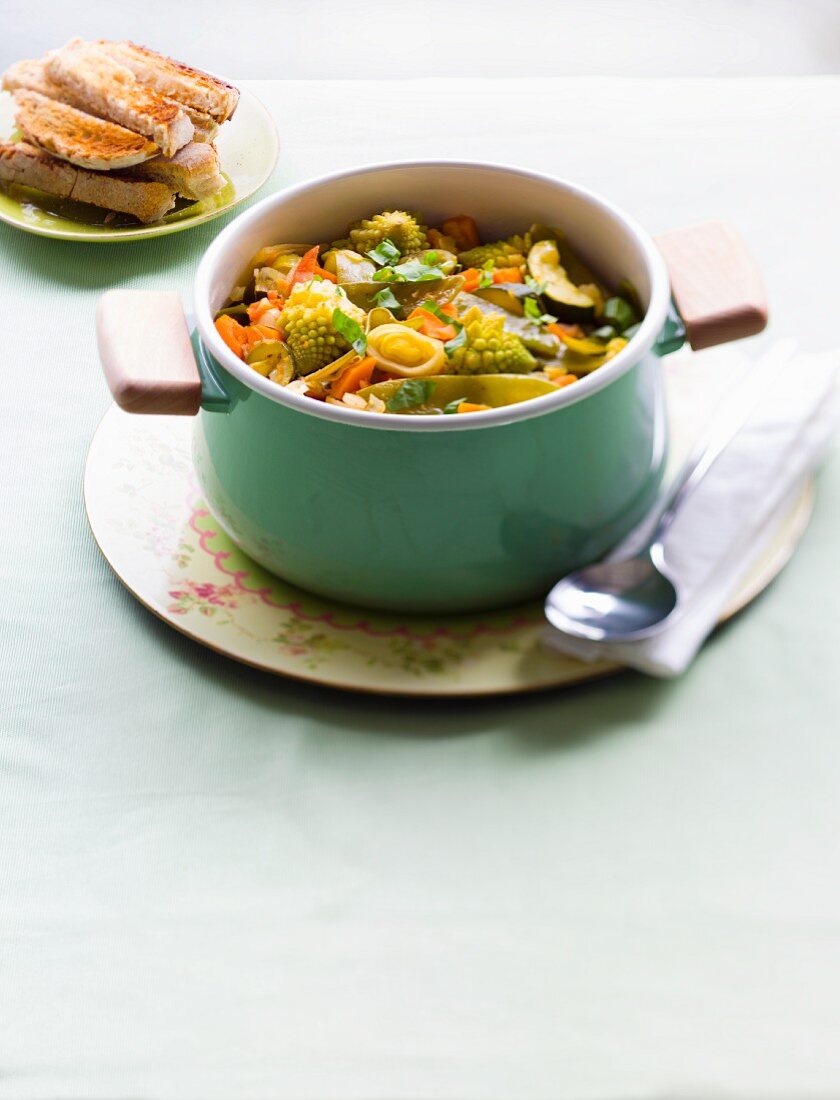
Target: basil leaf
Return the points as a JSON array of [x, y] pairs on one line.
[[412, 271], [385, 253], [411, 394], [431, 306], [415, 271], [386, 298], [533, 312], [457, 341], [453, 406], [351, 330], [485, 279], [619, 314], [431, 258], [532, 284], [460, 337]]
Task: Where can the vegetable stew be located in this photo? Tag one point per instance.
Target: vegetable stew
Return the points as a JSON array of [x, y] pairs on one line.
[[401, 318]]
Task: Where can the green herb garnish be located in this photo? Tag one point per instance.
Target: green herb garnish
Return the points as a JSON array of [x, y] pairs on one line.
[[387, 299], [412, 271], [410, 395], [485, 279], [453, 406], [457, 341], [385, 253], [532, 284], [619, 313], [628, 292], [460, 337], [351, 330], [431, 258], [605, 332], [533, 312]]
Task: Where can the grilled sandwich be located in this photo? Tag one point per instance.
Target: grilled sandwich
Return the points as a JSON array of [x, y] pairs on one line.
[[77, 137], [205, 127], [116, 125], [193, 172], [191, 87], [109, 90], [23, 164], [32, 76]]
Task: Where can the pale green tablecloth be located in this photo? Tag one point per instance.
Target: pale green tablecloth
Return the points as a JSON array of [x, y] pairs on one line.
[[214, 883]]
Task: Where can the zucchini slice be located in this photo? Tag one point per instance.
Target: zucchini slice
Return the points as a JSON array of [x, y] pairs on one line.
[[565, 299]]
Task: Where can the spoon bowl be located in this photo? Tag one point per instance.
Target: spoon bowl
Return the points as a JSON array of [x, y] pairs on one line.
[[622, 599], [615, 600]]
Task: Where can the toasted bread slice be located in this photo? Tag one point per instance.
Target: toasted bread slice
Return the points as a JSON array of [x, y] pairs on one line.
[[78, 137], [110, 90], [171, 78], [32, 76], [193, 172], [205, 126], [23, 164]]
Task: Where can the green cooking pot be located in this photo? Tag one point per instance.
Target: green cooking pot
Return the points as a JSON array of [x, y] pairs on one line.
[[436, 514]]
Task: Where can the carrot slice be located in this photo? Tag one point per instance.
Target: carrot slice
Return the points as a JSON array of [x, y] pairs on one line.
[[232, 333], [252, 336], [306, 267], [557, 328], [507, 275], [353, 378], [258, 309], [267, 332], [472, 279], [559, 376], [463, 230], [471, 407], [432, 326]]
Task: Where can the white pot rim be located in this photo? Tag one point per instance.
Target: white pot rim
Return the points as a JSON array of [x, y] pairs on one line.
[[639, 346]]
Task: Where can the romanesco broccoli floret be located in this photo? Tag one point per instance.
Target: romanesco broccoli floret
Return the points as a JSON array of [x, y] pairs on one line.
[[397, 226], [306, 319], [489, 347], [509, 253]]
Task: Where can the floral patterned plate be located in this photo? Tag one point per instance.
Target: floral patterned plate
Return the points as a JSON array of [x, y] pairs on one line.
[[163, 544]]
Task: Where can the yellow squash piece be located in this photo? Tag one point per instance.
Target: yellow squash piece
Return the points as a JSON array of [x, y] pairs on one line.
[[493, 390], [577, 363]]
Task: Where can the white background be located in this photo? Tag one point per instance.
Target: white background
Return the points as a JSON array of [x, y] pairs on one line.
[[345, 39]]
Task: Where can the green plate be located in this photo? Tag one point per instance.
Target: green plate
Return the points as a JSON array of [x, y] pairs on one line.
[[248, 148]]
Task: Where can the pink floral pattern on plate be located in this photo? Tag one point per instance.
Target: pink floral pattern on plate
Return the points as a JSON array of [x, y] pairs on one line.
[[171, 553]]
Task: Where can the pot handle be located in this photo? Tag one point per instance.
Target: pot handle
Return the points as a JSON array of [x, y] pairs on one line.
[[146, 353], [715, 283]]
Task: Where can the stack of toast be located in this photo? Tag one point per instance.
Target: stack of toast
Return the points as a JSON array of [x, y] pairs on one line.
[[116, 125]]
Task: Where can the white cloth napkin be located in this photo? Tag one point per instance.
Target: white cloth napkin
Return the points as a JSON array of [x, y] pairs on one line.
[[735, 512]]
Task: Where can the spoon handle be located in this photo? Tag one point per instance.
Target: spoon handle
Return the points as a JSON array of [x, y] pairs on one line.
[[753, 385]]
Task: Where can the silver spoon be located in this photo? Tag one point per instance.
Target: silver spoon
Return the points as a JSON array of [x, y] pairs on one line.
[[628, 598]]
